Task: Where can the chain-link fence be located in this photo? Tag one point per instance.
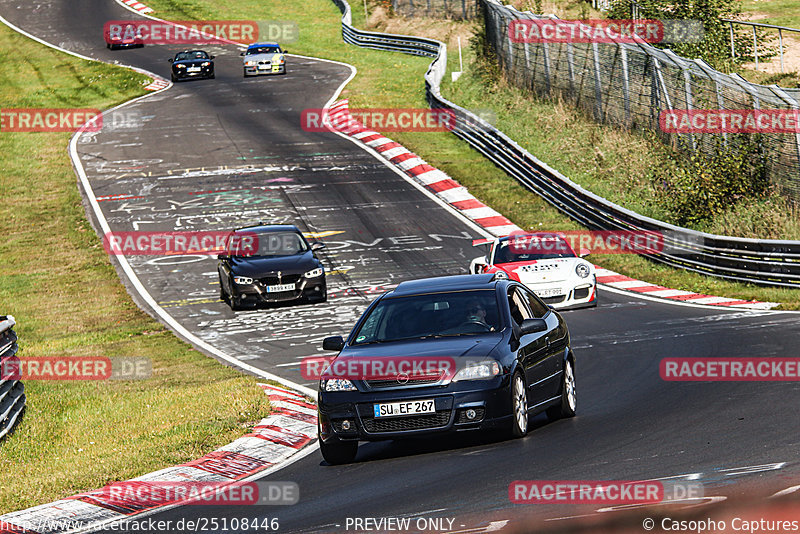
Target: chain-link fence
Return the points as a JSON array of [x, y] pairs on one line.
[[630, 84], [449, 9]]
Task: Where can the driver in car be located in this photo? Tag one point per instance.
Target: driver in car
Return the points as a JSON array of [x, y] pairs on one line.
[[476, 314]]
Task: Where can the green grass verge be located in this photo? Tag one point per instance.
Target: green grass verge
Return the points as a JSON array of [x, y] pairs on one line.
[[56, 279], [551, 131]]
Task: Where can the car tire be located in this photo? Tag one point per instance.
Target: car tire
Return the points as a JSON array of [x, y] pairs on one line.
[[173, 78], [213, 76], [234, 303], [519, 406], [339, 452], [566, 408]]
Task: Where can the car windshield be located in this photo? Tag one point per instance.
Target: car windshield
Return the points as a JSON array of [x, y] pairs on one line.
[[530, 248], [454, 313], [197, 54], [268, 244], [264, 50]]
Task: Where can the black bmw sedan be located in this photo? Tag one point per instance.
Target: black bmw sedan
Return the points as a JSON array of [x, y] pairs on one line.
[[192, 64], [280, 267], [441, 355]]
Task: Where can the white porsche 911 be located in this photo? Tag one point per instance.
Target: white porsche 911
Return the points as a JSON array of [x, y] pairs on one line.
[[546, 263]]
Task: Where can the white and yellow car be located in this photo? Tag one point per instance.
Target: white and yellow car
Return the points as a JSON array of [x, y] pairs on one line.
[[264, 58]]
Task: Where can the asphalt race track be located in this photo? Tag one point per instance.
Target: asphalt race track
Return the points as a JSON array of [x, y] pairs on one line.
[[217, 154]]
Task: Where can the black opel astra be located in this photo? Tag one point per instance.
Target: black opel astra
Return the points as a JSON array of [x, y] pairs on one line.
[[442, 355]]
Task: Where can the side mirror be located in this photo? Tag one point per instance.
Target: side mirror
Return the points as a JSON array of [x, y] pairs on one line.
[[285, 51], [170, 60], [531, 326], [241, 54], [333, 343], [316, 245], [584, 252], [222, 256], [211, 57]]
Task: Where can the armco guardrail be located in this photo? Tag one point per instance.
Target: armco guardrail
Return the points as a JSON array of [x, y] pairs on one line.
[[12, 392], [766, 262]]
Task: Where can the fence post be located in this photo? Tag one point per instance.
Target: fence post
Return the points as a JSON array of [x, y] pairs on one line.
[[708, 71], [733, 50], [755, 45], [598, 92], [687, 86], [795, 106], [780, 43], [626, 89], [571, 68], [546, 52]]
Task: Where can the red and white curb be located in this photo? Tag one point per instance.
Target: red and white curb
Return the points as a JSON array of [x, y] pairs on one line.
[[157, 84], [433, 179], [620, 281], [138, 6], [291, 425], [453, 193]]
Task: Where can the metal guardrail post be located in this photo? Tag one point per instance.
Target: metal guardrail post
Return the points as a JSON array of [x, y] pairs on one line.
[[755, 46], [12, 390], [780, 44]]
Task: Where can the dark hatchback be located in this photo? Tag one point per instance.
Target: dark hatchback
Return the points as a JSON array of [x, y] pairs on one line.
[[281, 268], [501, 355], [192, 64]]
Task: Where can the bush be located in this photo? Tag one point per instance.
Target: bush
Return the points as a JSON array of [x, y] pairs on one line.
[[707, 183]]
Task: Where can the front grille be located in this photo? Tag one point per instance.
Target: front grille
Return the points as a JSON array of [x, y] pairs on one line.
[[282, 295], [582, 293], [272, 280], [554, 300], [414, 422], [393, 383]]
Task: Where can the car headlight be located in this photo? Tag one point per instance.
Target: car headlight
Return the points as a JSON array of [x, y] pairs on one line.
[[181, 66], [249, 63], [582, 270], [501, 275], [337, 384], [313, 273], [281, 59], [205, 63], [242, 280], [478, 371]]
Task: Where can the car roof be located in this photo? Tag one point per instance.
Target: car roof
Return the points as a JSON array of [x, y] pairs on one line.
[[268, 228], [532, 234], [443, 284], [263, 44]]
